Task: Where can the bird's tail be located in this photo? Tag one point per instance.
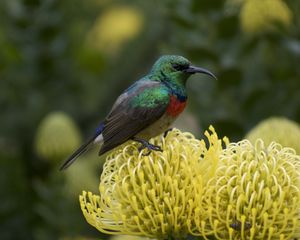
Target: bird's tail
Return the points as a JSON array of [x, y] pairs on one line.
[[82, 149], [97, 138]]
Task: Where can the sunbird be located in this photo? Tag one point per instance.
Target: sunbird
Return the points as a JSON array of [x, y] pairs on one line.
[[146, 109]]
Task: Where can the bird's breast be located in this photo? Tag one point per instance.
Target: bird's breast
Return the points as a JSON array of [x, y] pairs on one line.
[[176, 106], [158, 127]]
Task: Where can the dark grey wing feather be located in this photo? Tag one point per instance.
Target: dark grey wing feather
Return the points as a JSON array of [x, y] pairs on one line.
[[126, 120]]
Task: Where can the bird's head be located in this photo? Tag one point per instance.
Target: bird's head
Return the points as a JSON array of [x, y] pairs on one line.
[[176, 68]]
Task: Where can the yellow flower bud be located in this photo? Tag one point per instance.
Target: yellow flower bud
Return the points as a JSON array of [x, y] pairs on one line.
[[115, 27], [57, 136], [278, 129], [261, 15]]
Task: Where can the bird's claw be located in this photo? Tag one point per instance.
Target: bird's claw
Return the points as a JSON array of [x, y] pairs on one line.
[[167, 131], [149, 146]]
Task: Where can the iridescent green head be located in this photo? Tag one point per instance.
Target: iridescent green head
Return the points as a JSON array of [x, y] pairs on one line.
[[175, 68]]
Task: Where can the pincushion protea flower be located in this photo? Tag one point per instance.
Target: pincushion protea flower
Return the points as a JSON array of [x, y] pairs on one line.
[[278, 129], [115, 27], [128, 237], [244, 191], [263, 15], [57, 136], [254, 194], [157, 196]]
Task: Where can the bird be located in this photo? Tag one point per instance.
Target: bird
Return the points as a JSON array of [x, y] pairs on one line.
[[145, 109]]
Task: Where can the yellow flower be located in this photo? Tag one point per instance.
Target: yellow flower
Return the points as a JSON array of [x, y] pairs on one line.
[[278, 129], [157, 196], [261, 15], [254, 193], [57, 136], [128, 237], [115, 27]]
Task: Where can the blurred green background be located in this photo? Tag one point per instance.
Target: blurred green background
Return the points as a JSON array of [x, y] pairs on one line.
[[63, 63]]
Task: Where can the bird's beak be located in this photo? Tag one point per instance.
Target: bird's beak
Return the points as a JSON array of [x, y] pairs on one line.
[[193, 69]]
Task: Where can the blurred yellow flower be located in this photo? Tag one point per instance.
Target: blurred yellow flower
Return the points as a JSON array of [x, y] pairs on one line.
[[278, 129], [157, 196], [128, 237], [57, 136], [254, 194], [261, 15], [114, 28]]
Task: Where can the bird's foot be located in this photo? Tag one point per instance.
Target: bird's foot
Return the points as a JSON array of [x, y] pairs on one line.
[[167, 131], [145, 144]]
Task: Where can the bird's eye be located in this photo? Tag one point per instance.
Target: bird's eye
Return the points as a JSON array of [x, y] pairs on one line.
[[179, 67]]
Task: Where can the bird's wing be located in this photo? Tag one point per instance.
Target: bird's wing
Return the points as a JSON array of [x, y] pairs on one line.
[[140, 106]]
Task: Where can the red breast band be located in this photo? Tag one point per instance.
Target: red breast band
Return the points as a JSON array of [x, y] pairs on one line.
[[175, 106]]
